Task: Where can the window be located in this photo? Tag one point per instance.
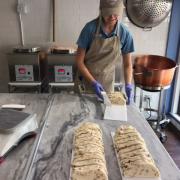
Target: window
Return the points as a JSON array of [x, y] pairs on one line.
[[175, 110]]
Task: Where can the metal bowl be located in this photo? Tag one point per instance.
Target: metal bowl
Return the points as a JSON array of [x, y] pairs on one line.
[[148, 13]]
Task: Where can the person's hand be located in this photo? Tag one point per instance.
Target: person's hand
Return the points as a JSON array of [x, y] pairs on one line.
[[98, 88], [129, 93]]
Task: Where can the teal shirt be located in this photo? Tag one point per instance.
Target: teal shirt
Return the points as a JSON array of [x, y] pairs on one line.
[[87, 34]]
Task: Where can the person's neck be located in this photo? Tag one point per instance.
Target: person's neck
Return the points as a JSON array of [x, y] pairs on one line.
[[108, 28]]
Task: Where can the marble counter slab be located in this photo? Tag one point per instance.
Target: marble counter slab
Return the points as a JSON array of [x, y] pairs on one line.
[[52, 161], [15, 162]]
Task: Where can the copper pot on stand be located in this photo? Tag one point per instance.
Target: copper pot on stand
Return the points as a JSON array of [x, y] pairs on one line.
[[153, 72]]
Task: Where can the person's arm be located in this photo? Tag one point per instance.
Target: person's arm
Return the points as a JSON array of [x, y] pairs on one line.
[[81, 66], [127, 63], [86, 74]]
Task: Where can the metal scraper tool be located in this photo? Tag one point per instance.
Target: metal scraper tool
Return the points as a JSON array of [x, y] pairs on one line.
[[106, 100], [114, 112]]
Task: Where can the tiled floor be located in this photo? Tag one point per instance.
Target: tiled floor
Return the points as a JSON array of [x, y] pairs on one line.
[[172, 144]]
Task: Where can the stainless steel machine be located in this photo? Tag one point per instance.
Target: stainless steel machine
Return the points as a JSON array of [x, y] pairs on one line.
[[25, 72], [61, 71]]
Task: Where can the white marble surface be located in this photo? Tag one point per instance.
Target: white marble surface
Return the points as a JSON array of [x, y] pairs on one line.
[[52, 161], [15, 162]]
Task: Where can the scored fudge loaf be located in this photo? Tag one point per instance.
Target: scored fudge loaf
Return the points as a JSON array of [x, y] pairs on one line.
[[133, 155], [88, 154], [117, 98]]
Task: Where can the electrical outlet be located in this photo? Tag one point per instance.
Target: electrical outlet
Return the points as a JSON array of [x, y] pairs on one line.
[[147, 98]]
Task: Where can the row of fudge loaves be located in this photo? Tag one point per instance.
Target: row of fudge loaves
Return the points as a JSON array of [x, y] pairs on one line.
[[89, 162]]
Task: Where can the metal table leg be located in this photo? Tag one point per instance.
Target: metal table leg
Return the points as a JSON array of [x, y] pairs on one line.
[[141, 100], [161, 134], [135, 93]]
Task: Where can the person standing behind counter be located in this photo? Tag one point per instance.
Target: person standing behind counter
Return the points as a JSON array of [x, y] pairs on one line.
[[100, 45]]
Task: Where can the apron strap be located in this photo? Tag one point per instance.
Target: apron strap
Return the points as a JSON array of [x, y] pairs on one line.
[[98, 25], [117, 30]]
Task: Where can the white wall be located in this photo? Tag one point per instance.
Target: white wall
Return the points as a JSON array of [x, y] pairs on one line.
[[149, 42], [36, 30], [71, 16]]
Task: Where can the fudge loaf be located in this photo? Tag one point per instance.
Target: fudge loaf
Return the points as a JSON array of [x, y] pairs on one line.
[[88, 153], [117, 98], [133, 155]]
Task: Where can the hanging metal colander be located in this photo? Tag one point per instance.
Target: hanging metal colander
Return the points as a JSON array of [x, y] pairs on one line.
[[148, 13]]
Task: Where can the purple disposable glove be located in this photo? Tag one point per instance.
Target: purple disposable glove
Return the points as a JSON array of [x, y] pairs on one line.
[[129, 93], [98, 88]]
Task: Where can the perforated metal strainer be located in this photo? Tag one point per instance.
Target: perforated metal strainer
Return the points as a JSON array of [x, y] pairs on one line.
[[148, 13]]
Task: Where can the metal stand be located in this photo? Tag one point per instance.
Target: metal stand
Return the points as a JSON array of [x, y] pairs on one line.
[[161, 121], [12, 86], [61, 86]]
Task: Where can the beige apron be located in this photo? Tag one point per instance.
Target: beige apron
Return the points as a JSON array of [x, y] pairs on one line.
[[101, 60]]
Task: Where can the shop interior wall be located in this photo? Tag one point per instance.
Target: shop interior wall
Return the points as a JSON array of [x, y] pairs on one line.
[[37, 30], [70, 17]]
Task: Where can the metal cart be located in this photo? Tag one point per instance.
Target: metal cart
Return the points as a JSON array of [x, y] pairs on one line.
[[161, 121]]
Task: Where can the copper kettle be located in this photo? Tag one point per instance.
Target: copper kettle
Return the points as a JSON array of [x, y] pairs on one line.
[[154, 72]]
